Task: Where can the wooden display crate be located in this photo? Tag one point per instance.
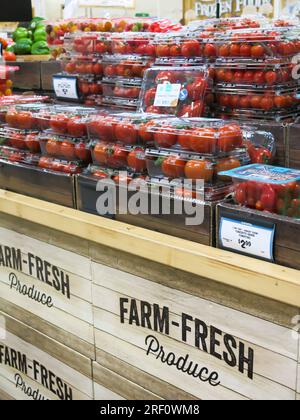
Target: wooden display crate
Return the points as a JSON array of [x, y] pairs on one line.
[[35, 367], [171, 224], [47, 287], [54, 187], [148, 333], [287, 231]]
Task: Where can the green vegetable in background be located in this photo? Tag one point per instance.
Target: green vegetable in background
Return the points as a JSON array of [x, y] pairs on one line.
[[23, 47], [11, 48], [40, 48], [40, 35], [20, 33], [36, 22]]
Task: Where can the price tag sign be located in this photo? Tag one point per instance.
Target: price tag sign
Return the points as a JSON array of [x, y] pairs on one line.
[[167, 95], [246, 238], [66, 87]]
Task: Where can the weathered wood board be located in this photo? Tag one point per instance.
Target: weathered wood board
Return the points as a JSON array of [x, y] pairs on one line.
[[293, 146], [160, 331], [287, 233], [35, 367], [108, 385], [42, 281]]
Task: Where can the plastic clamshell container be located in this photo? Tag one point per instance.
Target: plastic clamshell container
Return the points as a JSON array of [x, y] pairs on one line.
[[184, 165], [25, 116], [267, 188], [47, 163], [119, 66], [125, 128], [66, 120], [175, 91], [234, 23], [88, 43], [264, 100], [64, 147], [18, 156], [135, 43], [244, 73], [204, 136], [126, 88], [26, 140], [245, 115], [121, 104], [115, 156], [89, 86], [258, 43], [82, 65]]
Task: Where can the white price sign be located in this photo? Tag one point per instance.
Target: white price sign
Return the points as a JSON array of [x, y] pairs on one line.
[[66, 87], [247, 238], [167, 95]]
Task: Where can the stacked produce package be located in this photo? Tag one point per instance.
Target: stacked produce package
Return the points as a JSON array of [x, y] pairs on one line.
[[255, 74]]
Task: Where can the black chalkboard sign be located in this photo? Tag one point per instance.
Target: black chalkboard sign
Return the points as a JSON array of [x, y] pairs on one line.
[[16, 11]]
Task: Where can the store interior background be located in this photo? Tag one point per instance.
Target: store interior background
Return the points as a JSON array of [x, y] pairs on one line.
[[173, 9]]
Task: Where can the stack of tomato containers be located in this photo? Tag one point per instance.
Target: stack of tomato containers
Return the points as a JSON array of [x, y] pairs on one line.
[[255, 77], [54, 138]]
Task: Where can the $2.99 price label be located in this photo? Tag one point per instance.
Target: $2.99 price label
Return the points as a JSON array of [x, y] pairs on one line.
[[247, 238]]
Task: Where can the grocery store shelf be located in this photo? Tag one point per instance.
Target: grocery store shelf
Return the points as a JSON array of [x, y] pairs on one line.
[[255, 276]]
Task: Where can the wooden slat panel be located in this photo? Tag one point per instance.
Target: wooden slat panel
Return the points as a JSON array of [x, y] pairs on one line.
[[104, 394], [125, 284], [128, 390], [276, 283], [144, 380]]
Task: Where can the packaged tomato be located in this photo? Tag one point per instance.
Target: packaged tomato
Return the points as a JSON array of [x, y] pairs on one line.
[[140, 43], [116, 156], [258, 44], [88, 43], [128, 129], [25, 116], [89, 85], [16, 156], [82, 65], [184, 165], [26, 140], [175, 91], [131, 67], [47, 163], [261, 145], [65, 120], [186, 45], [258, 102], [66, 148], [233, 23], [126, 88], [267, 188], [245, 73], [202, 136]]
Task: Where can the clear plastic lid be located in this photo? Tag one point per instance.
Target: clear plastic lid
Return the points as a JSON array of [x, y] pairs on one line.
[[121, 89], [264, 174], [78, 65], [175, 91], [278, 115], [16, 156], [184, 165], [125, 66], [229, 23], [20, 139], [133, 43], [47, 163], [88, 43]]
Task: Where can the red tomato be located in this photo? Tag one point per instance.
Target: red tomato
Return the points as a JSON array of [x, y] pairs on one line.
[[199, 169], [102, 128], [224, 165], [116, 157], [267, 103], [268, 198], [210, 50], [53, 147], [144, 134], [97, 69], [76, 127], [100, 153], [126, 133], [165, 140], [280, 101], [136, 160], [163, 51], [259, 78], [16, 157], [67, 150], [17, 141], [150, 97], [221, 75], [224, 100], [203, 140], [257, 51], [229, 76], [32, 143], [224, 50], [12, 118], [25, 120], [100, 174], [45, 163], [241, 193], [230, 138], [165, 76], [9, 56], [270, 78], [245, 50], [191, 48], [234, 101], [235, 50], [245, 102], [173, 167], [59, 124], [249, 76], [82, 152], [256, 102], [175, 51], [109, 71], [238, 77]]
